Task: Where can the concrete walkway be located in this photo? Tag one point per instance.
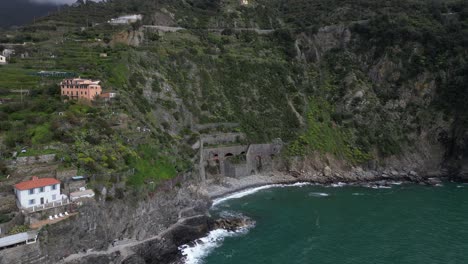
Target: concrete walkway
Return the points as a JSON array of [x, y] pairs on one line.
[[121, 245], [124, 246]]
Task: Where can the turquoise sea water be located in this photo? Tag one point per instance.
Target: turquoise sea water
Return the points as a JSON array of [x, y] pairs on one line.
[[316, 224]]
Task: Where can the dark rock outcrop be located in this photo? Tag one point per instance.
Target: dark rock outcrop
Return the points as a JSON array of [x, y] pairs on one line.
[[165, 249], [232, 224]]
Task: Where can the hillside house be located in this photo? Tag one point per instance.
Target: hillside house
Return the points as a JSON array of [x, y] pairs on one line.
[[75, 183], [78, 88], [244, 2], [81, 194], [3, 60], [107, 96], [37, 191], [8, 52]]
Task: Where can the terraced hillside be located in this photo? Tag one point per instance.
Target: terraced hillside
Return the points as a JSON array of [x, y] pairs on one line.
[[369, 83]]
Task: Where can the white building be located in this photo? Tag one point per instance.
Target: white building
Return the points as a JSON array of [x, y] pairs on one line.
[[37, 191], [122, 20], [81, 194], [107, 96], [3, 60], [8, 52]]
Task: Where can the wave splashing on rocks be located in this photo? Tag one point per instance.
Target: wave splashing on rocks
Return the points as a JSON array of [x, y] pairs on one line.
[[195, 252]]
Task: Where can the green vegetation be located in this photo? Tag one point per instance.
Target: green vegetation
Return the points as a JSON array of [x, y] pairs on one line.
[[33, 152], [5, 217], [150, 167], [324, 136], [18, 229], [14, 76], [365, 87]]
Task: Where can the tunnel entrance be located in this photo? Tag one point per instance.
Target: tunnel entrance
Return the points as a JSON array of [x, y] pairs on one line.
[[259, 165]]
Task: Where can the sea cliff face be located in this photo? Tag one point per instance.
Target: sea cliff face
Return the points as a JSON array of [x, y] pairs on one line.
[[98, 224]]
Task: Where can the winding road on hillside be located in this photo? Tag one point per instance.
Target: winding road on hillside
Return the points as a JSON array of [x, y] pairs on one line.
[[175, 29]]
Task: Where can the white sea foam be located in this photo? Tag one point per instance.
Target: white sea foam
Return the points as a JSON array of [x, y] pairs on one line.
[[243, 193], [318, 194], [357, 194], [396, 183], [194, 254], [339, 184], [381, 187]]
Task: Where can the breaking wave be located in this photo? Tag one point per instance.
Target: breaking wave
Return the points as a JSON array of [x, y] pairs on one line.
[[318, 194], [339, 184], [195, 252], [243, 193], [381, 187]]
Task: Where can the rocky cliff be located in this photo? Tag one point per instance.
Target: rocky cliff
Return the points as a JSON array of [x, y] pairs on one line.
[[126, 221]]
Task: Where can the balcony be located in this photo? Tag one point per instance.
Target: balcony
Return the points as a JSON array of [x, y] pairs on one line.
[[42, 207]]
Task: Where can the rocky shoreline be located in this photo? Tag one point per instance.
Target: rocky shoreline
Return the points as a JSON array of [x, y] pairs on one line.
[[195, 222], [364, 178], [165, 248], [231, 186]]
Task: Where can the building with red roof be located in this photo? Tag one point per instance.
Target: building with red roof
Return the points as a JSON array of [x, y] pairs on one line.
[[37, 191]]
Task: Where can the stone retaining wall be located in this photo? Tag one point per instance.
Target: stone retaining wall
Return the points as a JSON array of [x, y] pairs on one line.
[[18, 219], [29, 160]]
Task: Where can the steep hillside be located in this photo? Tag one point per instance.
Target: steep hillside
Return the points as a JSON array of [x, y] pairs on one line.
[[371, 85]]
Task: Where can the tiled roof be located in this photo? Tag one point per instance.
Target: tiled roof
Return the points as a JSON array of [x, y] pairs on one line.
[[36, 183]]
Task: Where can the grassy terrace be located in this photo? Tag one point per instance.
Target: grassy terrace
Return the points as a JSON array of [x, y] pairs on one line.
[[36, 152], [15, 76], [86, 138]]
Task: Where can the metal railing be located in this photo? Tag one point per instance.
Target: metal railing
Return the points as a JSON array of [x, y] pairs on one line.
[[42, 207]]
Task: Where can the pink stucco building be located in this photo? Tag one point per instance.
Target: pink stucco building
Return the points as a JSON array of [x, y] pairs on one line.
[[78, 88]]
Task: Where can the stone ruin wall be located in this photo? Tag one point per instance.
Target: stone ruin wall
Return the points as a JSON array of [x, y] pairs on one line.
[[259, 157]]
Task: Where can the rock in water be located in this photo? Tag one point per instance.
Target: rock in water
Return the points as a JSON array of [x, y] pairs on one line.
[[233, 224]]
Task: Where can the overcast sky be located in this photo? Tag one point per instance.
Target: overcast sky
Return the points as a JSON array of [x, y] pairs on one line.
[[20, 12], [53, 1]]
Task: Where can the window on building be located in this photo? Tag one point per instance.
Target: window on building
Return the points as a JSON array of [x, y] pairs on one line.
[[32, 201], [54, 197], [31, 191], [41, 189], [54, 187]]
